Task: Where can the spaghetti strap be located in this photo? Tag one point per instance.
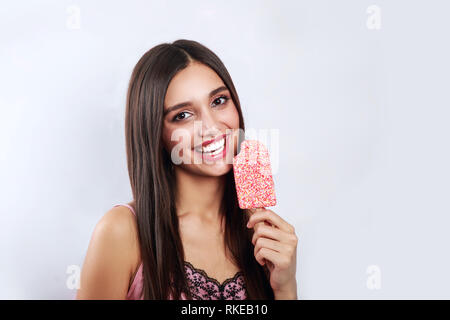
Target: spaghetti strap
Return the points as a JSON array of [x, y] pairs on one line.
[[126, 205]]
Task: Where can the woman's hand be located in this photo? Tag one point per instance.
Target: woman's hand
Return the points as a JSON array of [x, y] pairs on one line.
[[275, 245]]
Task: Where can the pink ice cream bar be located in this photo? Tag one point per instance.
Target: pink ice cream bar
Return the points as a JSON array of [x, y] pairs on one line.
[[253, 176]]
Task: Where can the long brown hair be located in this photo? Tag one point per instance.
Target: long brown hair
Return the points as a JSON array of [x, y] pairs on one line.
[[153, 182]]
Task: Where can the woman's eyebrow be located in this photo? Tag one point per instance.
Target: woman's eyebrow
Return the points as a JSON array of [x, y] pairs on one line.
[[184, 104]]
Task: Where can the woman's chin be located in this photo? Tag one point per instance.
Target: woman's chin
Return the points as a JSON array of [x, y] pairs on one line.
[[217, 169]]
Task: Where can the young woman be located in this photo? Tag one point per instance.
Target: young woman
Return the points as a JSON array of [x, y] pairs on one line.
[[184, 235]]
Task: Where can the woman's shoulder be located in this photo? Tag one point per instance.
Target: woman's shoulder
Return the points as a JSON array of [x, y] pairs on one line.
[[121, 225], [120, 222], [112, 256]]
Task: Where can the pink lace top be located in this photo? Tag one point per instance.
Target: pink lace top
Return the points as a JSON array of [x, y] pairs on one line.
[[201, 286]]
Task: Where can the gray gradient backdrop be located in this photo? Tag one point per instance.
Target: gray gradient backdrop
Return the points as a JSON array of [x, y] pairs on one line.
[[363, 117]]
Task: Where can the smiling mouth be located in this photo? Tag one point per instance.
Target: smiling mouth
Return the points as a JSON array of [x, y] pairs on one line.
[[214, 148]]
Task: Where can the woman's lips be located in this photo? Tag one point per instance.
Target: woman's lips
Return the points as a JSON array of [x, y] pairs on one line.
[[204, 144], [207, 156]]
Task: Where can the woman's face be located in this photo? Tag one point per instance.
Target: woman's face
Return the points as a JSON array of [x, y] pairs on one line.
[[198, 108]]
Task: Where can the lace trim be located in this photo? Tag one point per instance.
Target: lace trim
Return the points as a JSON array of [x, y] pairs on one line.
[[203, 273], [204, 287]]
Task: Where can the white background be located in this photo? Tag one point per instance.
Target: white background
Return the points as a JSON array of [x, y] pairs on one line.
[[363, 117]]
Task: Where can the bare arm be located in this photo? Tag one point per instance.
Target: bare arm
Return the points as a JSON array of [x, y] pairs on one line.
[[110, 258]]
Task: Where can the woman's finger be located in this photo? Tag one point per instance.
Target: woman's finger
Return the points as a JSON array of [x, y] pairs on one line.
[[273, 256], [267, 243], [271, 233], [271, 217]]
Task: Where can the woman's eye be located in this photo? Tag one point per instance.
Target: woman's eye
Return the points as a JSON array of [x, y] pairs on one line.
[[176, 118], [225, 99], [180, 117]]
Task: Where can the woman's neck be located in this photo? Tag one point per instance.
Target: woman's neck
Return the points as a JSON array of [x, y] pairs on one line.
[[198, 196]]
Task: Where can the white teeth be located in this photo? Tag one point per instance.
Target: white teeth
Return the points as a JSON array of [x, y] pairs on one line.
[[214, 146], [217, 151]]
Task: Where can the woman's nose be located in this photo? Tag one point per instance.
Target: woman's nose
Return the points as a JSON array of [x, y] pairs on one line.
[[209, 125]]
